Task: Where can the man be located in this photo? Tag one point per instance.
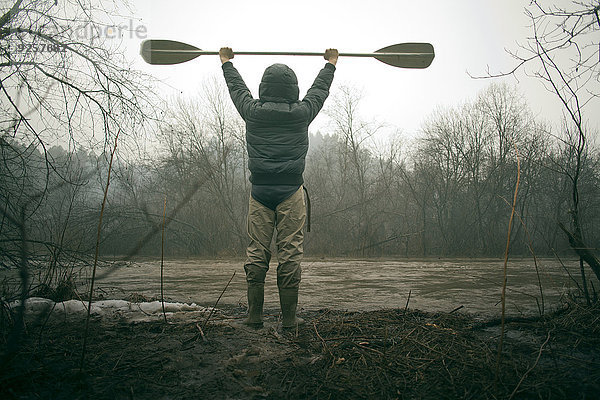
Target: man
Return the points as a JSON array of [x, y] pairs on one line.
[[277, 142]]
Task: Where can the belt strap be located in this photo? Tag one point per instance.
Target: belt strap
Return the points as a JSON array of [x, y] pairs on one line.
[[307, 209]]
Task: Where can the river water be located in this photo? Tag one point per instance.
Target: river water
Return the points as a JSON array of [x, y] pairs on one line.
[[433, 284]]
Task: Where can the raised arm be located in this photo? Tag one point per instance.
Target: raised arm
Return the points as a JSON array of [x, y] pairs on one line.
[[239, 92], [318, 92]]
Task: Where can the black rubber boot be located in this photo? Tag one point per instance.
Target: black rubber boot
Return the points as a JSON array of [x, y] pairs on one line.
[[256, 298], [288, 299]]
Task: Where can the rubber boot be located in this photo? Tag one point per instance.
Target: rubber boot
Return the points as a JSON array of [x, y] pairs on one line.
[[256, 298], [288, 299]]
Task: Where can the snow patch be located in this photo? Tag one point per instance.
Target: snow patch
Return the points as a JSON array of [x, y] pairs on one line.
[[134, 312]]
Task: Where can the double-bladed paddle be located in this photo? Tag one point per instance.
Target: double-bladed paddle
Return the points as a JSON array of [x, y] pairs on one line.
[[403, 55]]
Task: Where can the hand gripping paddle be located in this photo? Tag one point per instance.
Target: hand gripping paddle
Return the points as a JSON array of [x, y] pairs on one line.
[[403, 55]]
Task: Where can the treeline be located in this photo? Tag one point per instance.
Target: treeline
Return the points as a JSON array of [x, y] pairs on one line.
[[448, 192]]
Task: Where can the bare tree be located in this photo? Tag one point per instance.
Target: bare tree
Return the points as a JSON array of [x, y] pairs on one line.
[[62, 75], [466, 155], [563, 53], [203, 141], [227, 140], [355, 158], [63, 79]]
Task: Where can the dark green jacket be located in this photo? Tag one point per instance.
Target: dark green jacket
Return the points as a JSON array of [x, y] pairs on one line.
[[277, 123]]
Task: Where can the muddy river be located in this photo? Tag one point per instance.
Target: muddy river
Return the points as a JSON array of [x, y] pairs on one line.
[[433, 284]]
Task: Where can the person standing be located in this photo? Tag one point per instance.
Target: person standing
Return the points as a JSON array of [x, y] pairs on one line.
[[277, 142]]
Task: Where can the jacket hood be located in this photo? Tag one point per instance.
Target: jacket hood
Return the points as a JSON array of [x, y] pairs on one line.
[[279, 84]]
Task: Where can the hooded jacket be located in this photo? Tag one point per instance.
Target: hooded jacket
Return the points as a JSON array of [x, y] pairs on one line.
[[277, 122]]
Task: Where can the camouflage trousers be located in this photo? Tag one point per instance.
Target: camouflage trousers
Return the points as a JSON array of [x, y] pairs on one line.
[[286, 223]]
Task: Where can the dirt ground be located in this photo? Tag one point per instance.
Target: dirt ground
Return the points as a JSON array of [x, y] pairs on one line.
[[385, 354]]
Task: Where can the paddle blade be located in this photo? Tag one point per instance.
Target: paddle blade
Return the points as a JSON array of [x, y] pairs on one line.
[[411, 55], [167, 52]]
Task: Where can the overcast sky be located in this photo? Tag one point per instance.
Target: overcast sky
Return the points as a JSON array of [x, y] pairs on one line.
[[468, 36]]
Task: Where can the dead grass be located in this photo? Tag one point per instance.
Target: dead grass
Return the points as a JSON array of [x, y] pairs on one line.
[[380, 354]]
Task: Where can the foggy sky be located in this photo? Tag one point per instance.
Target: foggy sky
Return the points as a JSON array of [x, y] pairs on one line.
[[468, 36]]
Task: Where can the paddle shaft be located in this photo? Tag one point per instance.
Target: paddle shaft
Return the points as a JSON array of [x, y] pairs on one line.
[[287, 53]]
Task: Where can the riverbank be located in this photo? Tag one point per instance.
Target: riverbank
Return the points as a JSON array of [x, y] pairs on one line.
[[393, 353]]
